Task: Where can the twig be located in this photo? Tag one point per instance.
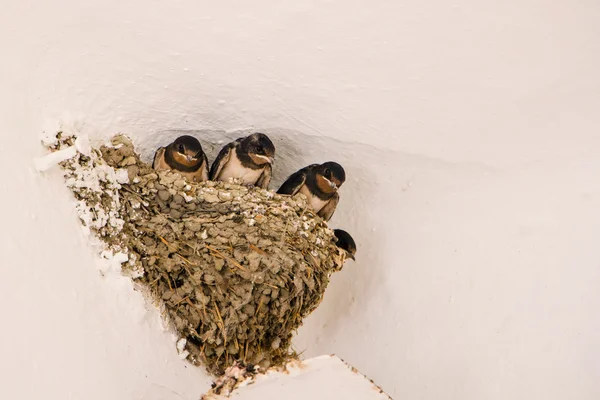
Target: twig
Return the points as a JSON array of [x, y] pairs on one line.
[[184, 259], [258, 308], [260, 251], [222, 323], [154, 281], [162, 239], [169, 282], [231, 260], [184, 299]]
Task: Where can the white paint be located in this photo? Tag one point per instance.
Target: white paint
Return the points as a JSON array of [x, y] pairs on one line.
[[469, 133], [68, 331]]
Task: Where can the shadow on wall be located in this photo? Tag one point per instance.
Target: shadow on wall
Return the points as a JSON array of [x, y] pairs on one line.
[[295, 150]]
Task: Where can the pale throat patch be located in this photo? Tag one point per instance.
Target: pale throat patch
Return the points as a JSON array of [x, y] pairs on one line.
[[324, 184], [259, 159], [197, 176], [181, 159], [235, 169], [315, 203]]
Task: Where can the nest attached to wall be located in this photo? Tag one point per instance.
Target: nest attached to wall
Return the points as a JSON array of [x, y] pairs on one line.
[[235, 269]]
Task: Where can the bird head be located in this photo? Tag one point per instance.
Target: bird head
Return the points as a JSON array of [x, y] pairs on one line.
[[259, 148], [187, 150], [345, 242], [330, 176]]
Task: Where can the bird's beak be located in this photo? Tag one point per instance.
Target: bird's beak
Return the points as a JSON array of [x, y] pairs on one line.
[[352, 257], [189, 158], [332, 184], [267, 159]]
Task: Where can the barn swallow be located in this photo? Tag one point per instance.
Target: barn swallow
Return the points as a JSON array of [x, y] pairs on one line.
[[248, 158], [320, 184], [346, 243], [185, 156]]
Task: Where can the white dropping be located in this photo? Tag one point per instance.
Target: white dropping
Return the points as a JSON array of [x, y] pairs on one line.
[[82, 143], [183, 353], [48, 161]]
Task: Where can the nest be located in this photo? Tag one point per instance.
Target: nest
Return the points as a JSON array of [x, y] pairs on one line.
[[235, 269]]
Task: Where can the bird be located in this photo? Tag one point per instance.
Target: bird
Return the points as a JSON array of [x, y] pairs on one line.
[[248, 158], [320, 184], [185, 156], [345, 242]]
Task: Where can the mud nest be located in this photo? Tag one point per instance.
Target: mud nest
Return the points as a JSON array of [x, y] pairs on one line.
[[235, 269]]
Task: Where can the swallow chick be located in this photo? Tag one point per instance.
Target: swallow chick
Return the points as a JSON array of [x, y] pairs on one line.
[[184, 155], [320, 184], [345, 242], [248, 158]]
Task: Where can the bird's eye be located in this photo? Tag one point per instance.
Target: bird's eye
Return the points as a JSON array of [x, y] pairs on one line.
[[259, 150], [328, 172], [180, 148]]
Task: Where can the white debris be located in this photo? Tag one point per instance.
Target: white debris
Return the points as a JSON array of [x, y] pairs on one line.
[[136, 269], [120, 257], [234, 377], [183, 353], [109, 144], [49, 160], [83, 146], [122, 176], [114, 261], [49, 138], [260, 209], [93, 175]]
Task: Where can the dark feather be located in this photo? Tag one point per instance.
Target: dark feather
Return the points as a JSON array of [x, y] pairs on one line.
[[295, 181], [220, 161], [159, 152], [205, 164], [327, 211], [265, 178]]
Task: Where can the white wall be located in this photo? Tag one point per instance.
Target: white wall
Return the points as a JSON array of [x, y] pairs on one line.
[[470, 135], [72, 328]]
